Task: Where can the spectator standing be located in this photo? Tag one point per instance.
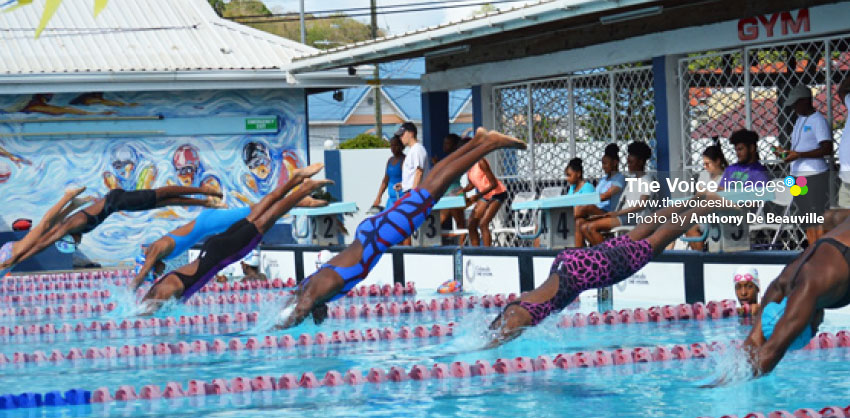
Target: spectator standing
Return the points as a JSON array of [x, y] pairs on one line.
[[491, 194], [811, 143], [844, 147], [392, 176], [415, 165]]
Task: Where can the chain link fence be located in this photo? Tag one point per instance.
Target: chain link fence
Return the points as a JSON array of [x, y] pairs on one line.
[[576, 115], [724, 91]]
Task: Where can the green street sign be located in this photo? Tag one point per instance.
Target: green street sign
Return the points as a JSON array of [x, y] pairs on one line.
[[265, 123]]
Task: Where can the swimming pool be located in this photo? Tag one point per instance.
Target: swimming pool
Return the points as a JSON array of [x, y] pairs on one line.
[[218, 349]]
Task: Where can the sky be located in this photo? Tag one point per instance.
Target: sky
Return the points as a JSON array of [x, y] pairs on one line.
[[394, 23]]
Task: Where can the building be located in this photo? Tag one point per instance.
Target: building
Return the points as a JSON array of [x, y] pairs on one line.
[[149, 93]]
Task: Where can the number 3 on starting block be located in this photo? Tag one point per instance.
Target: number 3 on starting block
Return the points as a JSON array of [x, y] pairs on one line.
[[430, 233]]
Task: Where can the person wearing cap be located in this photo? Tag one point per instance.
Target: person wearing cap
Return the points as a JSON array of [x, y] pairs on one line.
[[811, 143], [844, 148], [251, 267], [748, 171], [415, 165], [747, 287]]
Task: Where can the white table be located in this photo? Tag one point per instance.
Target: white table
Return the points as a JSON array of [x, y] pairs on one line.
[[322, 226], [557, 223]]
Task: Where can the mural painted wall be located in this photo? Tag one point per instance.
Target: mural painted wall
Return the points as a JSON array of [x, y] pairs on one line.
[[242, 142]]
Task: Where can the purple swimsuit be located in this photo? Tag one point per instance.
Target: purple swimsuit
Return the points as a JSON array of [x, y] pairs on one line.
[[580, 269]]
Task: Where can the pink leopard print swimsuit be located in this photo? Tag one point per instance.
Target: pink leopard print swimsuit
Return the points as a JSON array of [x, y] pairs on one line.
[[580, 269]]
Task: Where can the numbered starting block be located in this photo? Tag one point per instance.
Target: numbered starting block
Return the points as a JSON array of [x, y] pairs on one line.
[[430, 234], [556, 223], [323, 226], [727, 237]]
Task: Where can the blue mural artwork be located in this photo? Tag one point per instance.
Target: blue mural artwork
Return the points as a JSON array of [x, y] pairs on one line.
[[242, 142]]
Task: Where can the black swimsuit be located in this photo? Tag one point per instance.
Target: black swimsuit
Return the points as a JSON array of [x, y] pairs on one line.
[[118, 200], [218, 252], [845, 252]]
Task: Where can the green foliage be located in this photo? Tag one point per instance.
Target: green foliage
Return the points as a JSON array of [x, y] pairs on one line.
[[327, 33], [487, 8], [218, 6], [364, 141], [634, 110]]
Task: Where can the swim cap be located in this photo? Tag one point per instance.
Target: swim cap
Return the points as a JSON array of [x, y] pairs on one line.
[[66, 245], [323, 257], [770, 315], [747, 274], [254, 153], [252, 259], [186, 156]]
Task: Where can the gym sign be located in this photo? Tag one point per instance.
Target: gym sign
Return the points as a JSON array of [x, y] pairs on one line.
[[776, 24]]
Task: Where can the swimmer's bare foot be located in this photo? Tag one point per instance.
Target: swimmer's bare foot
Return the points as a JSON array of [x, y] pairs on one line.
[[505, 141], [309, 171], [212, 191], [311, 184], [74, 192], [309, 202], [215, 203]]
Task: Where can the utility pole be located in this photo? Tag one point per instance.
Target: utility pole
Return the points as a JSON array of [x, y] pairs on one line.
[[303, 28], [378, 114]]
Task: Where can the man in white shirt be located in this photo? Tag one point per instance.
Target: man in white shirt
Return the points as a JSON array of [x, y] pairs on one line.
[[844, 148], [811, 143], [415, 165]]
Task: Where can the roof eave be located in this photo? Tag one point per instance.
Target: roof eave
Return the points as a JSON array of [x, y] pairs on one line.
[[452, 34], [139, 81]]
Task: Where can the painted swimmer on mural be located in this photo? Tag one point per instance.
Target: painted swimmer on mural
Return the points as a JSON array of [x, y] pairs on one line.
[[39, 103], [190, 171], [265, 169], [129, 170]]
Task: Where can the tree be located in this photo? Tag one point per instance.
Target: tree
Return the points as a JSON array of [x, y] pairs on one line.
[[218, 6], [325, 33], [487, 8]]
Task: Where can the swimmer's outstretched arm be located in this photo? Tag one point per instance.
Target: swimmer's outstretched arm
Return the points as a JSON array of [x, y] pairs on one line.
[[153, 255], [798, 315], [314, 293]]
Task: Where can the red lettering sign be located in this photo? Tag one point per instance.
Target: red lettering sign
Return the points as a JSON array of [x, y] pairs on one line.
[[748, 28]]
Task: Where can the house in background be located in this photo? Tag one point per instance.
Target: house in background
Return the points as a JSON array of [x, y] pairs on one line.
[[354, 114]]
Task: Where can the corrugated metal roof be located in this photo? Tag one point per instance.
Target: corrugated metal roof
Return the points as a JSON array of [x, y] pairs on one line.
[[136, 36]]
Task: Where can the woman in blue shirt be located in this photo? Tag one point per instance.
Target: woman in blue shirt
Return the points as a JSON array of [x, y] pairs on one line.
[[392, 176], [609, 187], [575, 178]]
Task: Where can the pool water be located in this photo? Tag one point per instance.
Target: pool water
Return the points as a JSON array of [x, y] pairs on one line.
[[803, 379]]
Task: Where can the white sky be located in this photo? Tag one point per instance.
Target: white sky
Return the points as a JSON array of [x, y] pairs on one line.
[[395, 23]]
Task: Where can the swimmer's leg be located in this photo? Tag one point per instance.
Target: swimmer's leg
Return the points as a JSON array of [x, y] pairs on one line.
[[455, 164], [298, 176], [49, 220]]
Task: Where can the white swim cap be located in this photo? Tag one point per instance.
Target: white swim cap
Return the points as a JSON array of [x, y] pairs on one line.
[[252, 259], [747, 274]]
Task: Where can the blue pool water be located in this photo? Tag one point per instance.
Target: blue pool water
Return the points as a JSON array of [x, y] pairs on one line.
[[803, 379]]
